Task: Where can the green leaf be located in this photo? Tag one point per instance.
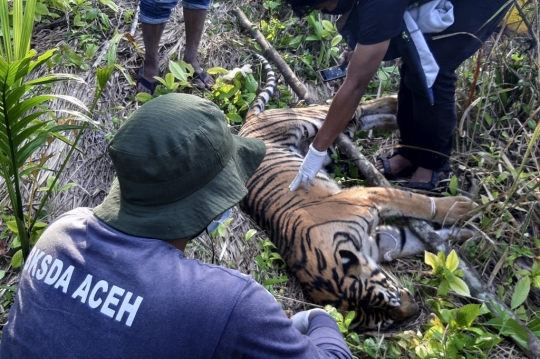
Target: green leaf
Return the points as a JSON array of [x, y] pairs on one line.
[[28, 133], [467, 314], [431, 260], [273, 281], [536, 281], [521, 292], [349, 318], [2, 274], [103, 75], [443, 288], [17, 259], [327, 25], [29, 148], [336, 40], [296, 41], [169, 81], [234, 118], [67, 186], [143, 97], [453, 185], [217, 71], [251, 83], [110, 4], [177, 71], [517, 332], [459, 286], [12, 226], [452, 261], [535, 268], [250, 234]]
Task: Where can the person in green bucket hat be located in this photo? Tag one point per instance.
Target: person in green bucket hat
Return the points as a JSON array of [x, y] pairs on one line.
[[113, 282]]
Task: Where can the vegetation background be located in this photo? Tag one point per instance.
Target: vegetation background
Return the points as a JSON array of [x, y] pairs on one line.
[[98, 48]]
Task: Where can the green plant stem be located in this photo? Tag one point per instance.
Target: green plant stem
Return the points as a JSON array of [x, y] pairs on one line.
[[526, 156], [15, 197]]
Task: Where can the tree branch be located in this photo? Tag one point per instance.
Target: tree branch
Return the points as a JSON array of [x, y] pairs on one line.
[[271, 54]]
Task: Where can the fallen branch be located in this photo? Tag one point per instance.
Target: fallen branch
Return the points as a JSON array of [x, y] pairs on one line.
[[435, 244], [271, 54]]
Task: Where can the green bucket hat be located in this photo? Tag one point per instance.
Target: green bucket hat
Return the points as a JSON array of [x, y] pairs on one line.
[[177, 168]]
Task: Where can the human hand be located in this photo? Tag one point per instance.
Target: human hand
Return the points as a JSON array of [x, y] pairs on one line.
[[301, 319], [344, 58], [311, 165]]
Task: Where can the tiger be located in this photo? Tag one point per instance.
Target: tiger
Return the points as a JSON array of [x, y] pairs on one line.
[[330, 237]]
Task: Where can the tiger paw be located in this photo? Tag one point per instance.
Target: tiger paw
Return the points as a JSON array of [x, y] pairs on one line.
[[449, 210]]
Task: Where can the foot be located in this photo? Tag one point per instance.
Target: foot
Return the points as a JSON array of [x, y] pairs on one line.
[[427, 180], [200, 78], [147, 74], [397, 163], [422, 175], [203, 81]]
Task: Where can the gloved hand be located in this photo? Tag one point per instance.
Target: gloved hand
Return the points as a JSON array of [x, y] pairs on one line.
[[311, 165], [301, 319]]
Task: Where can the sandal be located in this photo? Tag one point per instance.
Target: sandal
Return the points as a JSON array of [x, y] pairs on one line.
[[436, 178], [388, 169], [149, 85], [199, 78]]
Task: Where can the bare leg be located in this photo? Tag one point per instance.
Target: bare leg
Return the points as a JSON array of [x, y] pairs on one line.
[[151, 35], [194, 29]]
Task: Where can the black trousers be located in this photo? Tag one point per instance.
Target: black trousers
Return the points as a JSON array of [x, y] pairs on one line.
[[427, 131]]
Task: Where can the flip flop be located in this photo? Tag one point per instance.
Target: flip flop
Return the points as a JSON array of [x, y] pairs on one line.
[[201, 76], [388, 169], [149, 85], [436, 178]]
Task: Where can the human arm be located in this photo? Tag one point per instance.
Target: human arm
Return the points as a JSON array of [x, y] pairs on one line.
[[364, 62], [258, 328], [362, 67]]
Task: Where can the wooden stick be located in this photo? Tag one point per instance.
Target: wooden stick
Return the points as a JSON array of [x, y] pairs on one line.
[[271, 54]]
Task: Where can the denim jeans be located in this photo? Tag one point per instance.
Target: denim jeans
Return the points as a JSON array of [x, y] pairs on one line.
[[158, 11], [430, 129]]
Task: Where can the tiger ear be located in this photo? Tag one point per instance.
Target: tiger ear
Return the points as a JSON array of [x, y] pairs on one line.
[[350, 263]]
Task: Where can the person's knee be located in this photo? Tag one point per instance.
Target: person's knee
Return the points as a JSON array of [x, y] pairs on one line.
[[155, 12], [196, 4]]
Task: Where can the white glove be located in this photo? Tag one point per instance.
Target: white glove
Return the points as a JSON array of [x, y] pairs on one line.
[[311, 165], [301, 320]]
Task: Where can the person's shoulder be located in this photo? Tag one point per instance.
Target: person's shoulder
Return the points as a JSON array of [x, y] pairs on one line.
[[76, 215], [224, 272]]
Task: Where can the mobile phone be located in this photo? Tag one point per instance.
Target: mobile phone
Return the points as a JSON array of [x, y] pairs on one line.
[[333, 73]]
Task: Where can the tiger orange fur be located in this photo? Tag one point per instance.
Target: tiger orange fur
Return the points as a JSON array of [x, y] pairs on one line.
[[329, 237]]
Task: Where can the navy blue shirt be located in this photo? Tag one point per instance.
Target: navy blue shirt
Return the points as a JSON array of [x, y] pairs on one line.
[[89, 291]]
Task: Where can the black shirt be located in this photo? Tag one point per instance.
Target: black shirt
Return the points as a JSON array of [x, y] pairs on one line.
[[378, 20]]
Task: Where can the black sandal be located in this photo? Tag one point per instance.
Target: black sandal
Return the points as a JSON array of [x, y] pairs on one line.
[[436, 178], [149, 85], [388, 169]]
